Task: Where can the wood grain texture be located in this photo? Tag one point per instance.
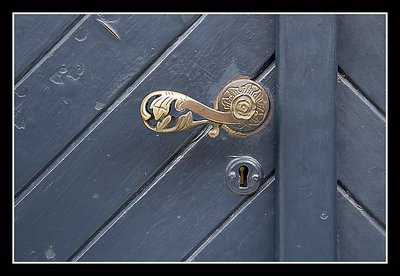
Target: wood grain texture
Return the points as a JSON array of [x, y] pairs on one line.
[[362, 53], [359, 237], [186, 204], [34, 35], [306, 123], [249, 234], [120, 154], [361, 146], [80, 79]]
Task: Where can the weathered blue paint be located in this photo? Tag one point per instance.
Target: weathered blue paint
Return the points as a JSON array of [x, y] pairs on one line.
[[306, 123]]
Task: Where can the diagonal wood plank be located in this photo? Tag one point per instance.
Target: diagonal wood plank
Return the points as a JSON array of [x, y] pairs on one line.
[[119, 154], [361, 146], [79, 79], [34, 35], [362, 53], [359, 237]]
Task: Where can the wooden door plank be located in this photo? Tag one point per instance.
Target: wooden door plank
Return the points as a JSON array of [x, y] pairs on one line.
[[362, 53], [80, 79], [361, 149], [359, 237], [186, 204], [34, 35], [305, 163], [119, 154], [248, 235]]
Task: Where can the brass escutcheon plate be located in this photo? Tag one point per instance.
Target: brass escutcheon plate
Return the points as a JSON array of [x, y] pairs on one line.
[[245, 99]]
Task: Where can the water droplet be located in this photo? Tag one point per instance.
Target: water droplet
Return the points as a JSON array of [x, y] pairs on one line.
[[81, 34], [178, 217], [108, 154], [50, 254], [66, 100], [63, 69], [20, 95], [57, 79], [99, 106], [324, 215], [75, 72], [19, 120]]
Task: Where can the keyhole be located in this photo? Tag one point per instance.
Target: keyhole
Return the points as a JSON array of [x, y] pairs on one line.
[[243, 171]]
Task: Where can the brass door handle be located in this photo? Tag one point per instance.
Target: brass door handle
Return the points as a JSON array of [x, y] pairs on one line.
[[242, 108]]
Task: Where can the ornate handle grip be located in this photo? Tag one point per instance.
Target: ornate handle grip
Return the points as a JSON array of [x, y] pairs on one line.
[[242, 108]]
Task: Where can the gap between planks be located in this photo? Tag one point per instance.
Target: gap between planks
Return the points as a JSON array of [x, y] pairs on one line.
[[48, 49], [342, 189], [88, 129], [37, 63], [343, 77]]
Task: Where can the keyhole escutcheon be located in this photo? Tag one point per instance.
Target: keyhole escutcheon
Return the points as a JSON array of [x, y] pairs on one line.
[[243, 175]]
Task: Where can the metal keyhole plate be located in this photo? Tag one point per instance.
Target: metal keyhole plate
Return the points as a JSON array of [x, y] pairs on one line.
[[240, 167]]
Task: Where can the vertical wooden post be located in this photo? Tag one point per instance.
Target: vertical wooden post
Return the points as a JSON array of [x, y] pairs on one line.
[[306, 124]]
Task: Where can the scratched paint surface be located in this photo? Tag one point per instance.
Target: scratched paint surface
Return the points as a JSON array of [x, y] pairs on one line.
[[34, 35], [80, 78]]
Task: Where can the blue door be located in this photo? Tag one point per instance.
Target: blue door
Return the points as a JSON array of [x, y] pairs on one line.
[[92, 183]]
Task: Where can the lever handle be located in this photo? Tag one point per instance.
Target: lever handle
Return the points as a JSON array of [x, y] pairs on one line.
[[242, 108]]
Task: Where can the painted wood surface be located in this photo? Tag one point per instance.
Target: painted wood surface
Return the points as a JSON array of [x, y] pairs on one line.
[[34, 35], [87, 184], [80, 79], [306, 131], [360, 238], [362, 53], [68, 212], [361, 146], [247, 236]]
